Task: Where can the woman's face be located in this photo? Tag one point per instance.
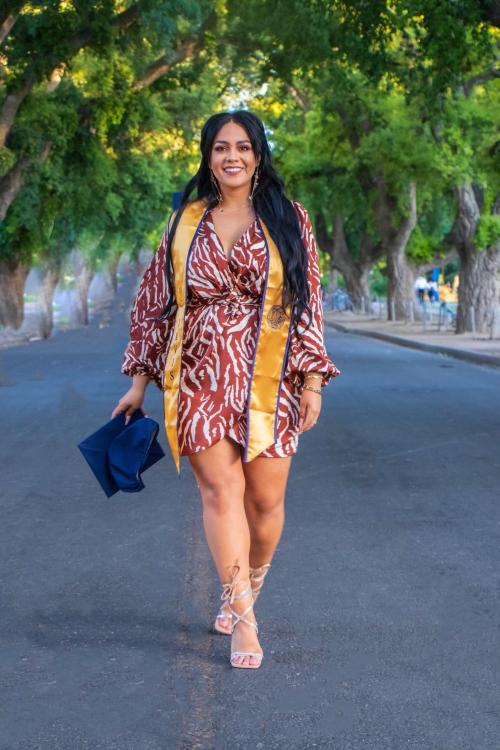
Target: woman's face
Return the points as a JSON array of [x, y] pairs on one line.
[[232, 159]]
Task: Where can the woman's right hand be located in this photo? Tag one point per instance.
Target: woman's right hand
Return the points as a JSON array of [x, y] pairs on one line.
[[130, 401]]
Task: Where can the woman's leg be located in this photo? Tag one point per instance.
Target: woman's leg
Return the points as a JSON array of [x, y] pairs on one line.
[[264, 499], [219, 474]]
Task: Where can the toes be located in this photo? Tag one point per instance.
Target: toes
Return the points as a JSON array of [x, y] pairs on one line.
[[223, 626], [246, 661]]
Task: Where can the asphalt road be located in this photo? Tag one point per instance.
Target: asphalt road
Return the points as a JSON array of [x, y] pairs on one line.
[[379, 619]]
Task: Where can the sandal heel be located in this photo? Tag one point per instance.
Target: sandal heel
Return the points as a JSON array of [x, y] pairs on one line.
[[229, 595]]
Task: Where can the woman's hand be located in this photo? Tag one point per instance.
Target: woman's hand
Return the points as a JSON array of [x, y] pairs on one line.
[[310, 407], [132, 399]]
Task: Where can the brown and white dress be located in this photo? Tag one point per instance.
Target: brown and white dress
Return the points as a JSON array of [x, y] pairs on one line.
[[220, 334]]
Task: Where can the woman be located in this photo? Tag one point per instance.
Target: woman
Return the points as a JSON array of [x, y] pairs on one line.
[[228, 323]]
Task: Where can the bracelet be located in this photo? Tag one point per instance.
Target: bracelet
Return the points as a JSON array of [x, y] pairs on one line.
[[311, 376], [311, 388]]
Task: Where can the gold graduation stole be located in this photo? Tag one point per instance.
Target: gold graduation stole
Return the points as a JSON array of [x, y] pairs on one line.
[[272, 341]]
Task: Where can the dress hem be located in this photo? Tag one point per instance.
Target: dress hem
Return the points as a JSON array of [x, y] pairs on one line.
[[242, 446]]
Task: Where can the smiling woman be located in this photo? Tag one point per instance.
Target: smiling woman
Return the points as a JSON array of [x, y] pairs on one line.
[[233, 163], [228, 321]]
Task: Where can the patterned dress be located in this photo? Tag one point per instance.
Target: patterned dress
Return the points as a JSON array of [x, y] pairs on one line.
[[220, 336]]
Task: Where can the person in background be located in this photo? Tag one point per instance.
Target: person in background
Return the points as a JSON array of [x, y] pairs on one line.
[[420, 287], [432, 291]]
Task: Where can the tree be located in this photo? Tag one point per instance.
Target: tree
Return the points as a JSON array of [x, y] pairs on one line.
[[358, 152], [471, 133], [389, 72], [85, 91]]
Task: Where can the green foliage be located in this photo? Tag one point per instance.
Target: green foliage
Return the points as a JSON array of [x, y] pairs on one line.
[[381, 102], [340, 281], [353, 94], [451, 270], [434, 223], [378, 280], [487, 231], [7, 160], [117, 150]]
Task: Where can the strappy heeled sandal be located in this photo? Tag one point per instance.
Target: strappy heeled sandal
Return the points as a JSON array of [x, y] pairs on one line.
[[229, 596], [257, 576]]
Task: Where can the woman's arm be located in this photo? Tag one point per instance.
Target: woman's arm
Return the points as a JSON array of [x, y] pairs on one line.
[[140, 381], [307, 353], [145, 355]]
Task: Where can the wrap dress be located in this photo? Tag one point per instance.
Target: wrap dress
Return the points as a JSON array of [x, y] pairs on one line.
[[220, 335]]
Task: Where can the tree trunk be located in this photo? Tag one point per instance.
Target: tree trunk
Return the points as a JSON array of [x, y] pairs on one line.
[[13, 275], [357, 286], [49, 278], [12, 182], [11, 104], [113, 271], [356, 271], [478, 268], [139, 267], [333, 276], [477, 290], [6, 26], [84, 274], [395, 238], [399, 282], [83, 286]]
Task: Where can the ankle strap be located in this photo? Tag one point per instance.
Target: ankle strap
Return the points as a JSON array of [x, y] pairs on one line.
[[229, 589], [257, 575], [228, 594], [259, 572]]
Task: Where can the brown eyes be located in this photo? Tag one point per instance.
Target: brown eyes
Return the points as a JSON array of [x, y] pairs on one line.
[[242, 148]]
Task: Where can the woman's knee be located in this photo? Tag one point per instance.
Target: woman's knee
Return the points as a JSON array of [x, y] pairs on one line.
[[264, 502], [221, 496], [219, 476]]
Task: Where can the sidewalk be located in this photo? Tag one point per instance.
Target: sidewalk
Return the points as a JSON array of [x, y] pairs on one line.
[[479, 349]]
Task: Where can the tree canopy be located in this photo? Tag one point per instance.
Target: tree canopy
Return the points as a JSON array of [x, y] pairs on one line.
[[383, 118]]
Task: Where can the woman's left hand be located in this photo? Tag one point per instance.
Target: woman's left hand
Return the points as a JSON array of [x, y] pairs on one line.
[[310, 407]]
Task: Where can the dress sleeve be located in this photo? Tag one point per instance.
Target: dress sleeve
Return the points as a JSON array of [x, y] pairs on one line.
[[147, 349], [307, 352]]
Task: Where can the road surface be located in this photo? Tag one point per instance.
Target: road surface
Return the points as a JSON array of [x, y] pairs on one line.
[[379, 619]]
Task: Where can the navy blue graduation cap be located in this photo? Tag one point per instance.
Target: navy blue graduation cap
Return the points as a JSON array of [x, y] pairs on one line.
[[118, 453]]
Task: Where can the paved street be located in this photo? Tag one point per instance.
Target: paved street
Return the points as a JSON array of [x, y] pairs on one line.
[[379, 619]]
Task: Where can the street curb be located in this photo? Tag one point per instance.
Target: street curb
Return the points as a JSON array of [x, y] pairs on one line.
[[479, 359]]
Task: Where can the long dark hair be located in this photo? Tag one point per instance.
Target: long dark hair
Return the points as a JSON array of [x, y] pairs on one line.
[[269, 202]]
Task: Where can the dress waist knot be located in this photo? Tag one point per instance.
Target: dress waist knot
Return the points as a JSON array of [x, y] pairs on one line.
[[233, 299]]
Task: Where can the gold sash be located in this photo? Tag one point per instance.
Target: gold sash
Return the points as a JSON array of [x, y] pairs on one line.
[[269, 357]]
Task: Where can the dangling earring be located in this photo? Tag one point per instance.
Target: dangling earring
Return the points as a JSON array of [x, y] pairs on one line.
[[216, 189], [254, 187]]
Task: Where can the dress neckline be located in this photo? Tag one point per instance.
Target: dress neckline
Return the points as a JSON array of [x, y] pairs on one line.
[[219, 241]]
